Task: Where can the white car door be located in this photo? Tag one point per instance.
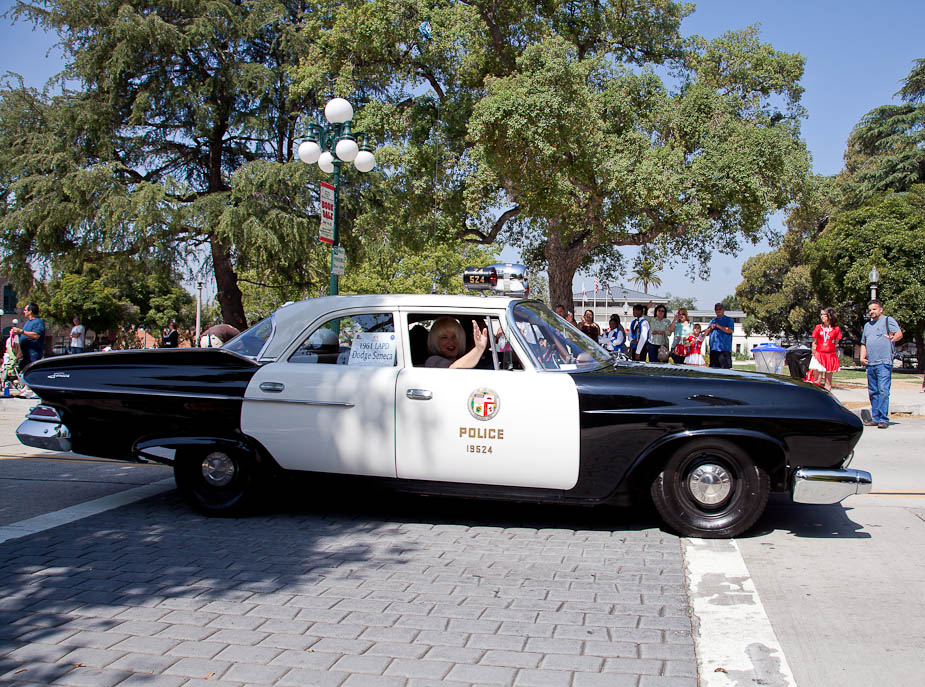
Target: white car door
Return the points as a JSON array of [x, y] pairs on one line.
[[330, 406], [505, 427]]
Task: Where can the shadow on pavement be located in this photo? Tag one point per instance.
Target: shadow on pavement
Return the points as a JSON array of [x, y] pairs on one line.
[[805, 520]]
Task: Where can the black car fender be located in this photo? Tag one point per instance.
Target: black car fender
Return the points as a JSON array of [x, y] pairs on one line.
[[772, 459], [144, 449]]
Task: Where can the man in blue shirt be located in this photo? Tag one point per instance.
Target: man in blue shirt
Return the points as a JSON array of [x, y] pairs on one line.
[[31, 335], [877, 344], [720, 330]]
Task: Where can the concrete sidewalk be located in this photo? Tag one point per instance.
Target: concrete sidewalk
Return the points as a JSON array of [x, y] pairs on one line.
[[906, 397]]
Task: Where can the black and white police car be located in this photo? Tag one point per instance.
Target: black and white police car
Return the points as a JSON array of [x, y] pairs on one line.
[[338, 385]]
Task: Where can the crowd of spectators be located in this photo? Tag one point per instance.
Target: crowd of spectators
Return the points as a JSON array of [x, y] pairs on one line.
[[656, 339]]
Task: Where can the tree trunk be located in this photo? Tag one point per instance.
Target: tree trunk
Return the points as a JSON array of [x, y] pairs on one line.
[[561, 264], [228, 295]]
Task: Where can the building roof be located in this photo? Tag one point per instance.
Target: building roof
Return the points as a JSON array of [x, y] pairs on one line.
[[618, 293]]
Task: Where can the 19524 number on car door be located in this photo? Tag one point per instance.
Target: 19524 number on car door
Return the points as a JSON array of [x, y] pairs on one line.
[[504, 427]]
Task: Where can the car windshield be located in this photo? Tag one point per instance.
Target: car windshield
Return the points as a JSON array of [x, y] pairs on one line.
[[554, 343], [249, 343]]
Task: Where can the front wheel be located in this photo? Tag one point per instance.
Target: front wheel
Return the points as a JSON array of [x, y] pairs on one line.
[[218, 482], [710, 488]]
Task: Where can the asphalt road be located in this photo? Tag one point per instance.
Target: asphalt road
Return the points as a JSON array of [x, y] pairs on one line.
[[173, 597]]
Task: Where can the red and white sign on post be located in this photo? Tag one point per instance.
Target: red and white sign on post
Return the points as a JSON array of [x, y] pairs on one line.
[[326, 231]]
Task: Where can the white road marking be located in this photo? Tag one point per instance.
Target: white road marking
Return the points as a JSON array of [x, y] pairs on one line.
[[735, 642], [64, 516]]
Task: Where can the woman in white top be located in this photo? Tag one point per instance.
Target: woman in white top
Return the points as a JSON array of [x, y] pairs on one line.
[[658, 331], [446, 341]]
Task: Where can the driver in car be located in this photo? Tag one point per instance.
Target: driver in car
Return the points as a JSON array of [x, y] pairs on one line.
[[446, 341]]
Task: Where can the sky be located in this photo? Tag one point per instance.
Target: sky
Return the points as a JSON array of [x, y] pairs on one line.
[[857, 53]]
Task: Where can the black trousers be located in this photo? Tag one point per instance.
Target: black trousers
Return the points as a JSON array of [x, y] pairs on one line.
[[721, 359]]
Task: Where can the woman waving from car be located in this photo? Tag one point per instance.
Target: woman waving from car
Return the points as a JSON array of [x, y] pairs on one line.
[[446, 341]]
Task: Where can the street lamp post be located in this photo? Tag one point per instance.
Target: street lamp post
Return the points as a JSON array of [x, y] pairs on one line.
[[198, 313], [874, 281], [331, 145]]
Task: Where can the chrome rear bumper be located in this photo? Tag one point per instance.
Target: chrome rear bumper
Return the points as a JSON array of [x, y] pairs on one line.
[[828, 486], [43, 429]]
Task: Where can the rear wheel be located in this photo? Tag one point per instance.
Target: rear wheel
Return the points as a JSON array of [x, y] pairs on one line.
[[710, 488], [218, 481]]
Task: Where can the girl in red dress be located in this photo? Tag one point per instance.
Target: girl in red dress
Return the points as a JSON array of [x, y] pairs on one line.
[[694, 341], [826, 336]]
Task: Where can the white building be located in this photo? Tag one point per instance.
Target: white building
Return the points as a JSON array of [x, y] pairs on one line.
[[616, 300]]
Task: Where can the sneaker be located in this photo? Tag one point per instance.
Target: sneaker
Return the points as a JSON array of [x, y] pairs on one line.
[[883, 425]]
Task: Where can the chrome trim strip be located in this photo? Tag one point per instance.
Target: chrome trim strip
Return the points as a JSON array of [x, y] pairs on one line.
[[811, 485], [131, 392], [337, 404], [848, 460]]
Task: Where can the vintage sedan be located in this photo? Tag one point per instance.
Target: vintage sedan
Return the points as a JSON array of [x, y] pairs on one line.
[[338, 385]]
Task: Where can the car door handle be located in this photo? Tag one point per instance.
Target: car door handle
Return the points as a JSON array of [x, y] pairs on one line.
[[272, 387], [419, 394]]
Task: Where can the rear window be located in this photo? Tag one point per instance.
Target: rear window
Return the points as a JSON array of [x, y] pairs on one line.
[[249, 343]]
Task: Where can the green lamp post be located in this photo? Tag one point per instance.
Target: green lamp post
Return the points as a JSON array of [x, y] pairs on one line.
[[331, 145]]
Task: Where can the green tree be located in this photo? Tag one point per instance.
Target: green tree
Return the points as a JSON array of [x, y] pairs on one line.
[[675, 303], [99, 306], [777, 291], [889, 233], [646, 273], [545, 126], [122, 295], [171, 100], [438, 269], [730, 302], [886, 150]]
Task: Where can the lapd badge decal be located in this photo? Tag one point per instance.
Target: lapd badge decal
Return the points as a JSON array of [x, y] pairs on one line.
[[483, 404]]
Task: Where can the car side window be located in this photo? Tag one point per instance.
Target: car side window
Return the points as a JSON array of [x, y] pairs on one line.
[[359, 340], [421, 323]]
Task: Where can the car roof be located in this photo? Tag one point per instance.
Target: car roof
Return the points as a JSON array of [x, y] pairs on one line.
[[291, 320]]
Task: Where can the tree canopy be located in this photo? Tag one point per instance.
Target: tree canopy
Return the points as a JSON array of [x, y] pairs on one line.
[[546, 126], [172, 99], [543, 125], [871, 214], [887, 233], [886, 150]]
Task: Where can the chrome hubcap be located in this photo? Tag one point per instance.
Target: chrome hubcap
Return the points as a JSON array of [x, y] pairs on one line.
[[710, 484], [218, 469]]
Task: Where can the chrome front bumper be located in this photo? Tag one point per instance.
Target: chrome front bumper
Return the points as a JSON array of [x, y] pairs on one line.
[[828, 486]]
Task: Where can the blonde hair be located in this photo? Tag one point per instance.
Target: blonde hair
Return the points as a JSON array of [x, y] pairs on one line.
[[441, 325]]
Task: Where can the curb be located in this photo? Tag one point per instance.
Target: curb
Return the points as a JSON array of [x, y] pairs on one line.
[[864, 413]]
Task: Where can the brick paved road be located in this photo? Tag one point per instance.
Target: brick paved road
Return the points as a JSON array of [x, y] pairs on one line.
[[408, 593]]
